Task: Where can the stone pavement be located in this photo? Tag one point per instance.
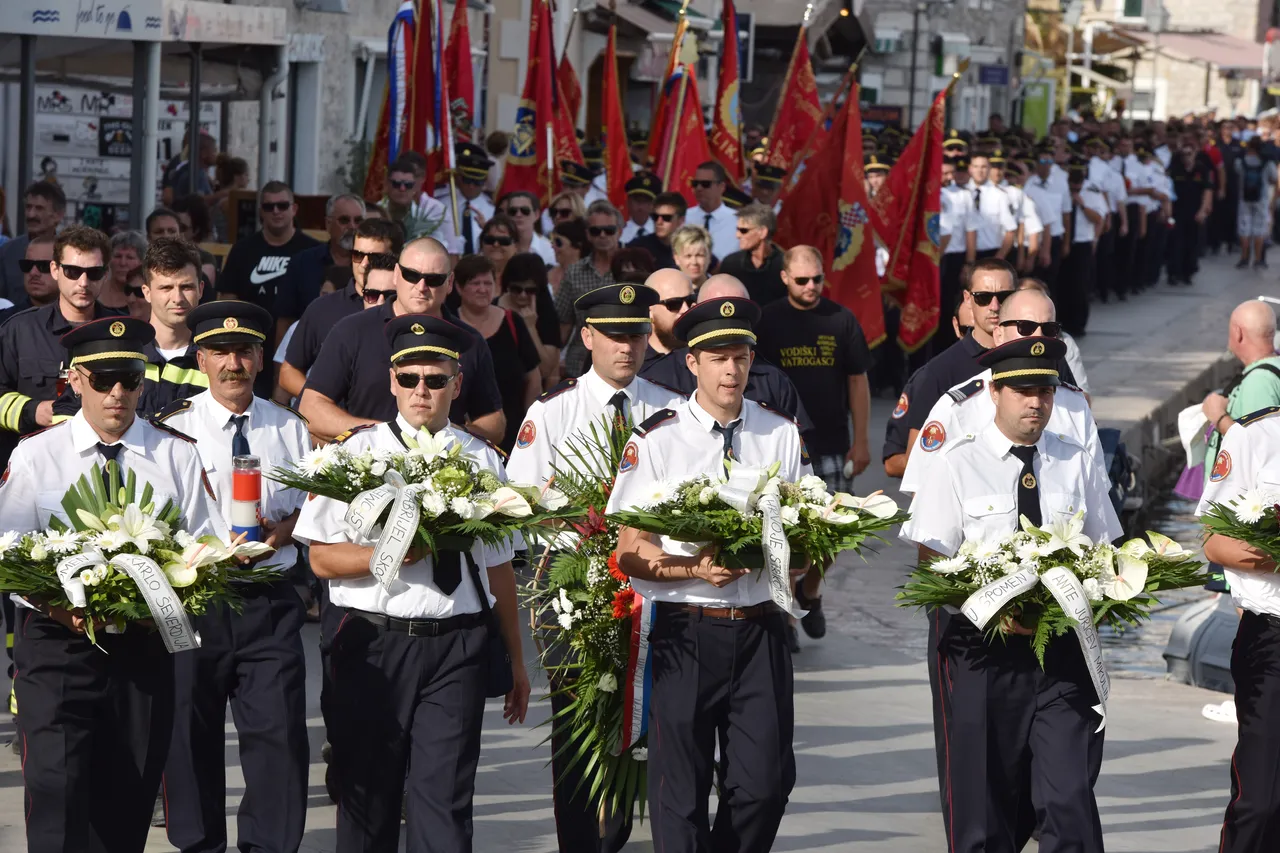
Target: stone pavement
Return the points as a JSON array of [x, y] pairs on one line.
[[863, 741]]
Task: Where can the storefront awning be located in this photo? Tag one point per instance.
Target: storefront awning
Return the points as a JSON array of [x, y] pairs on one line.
[[1227, 52]]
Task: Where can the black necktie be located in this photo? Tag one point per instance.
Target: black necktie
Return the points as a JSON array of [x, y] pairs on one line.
[[239, 441], [726, 433], [110, 453], [447, 571], [977, 199], [619, 403], [468, 244], [707, 224], [1028, 486]]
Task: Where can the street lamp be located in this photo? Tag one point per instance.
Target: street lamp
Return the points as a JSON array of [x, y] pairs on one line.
[[1157, 20], [1235, 88]]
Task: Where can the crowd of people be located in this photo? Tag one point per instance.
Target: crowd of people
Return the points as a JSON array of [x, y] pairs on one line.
[[510, 324]]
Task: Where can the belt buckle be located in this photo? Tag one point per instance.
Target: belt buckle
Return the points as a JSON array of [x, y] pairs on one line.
[[423, 628], [735, 614]]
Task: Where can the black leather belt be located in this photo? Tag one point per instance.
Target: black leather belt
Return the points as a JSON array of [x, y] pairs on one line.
[[419, 627], [754, 611]]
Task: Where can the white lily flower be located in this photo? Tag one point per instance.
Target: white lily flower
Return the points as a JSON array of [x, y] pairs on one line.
[[141, 528], [7, 540], [608, 683], [1092, 589], [1250, 507], [90, 520], [431, 446], [1067, 534], [319, 460], [950, 565], [508, 501], [640, 753]]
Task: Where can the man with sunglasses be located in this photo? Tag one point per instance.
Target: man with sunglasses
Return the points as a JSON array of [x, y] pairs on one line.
[[474, 206], [642, 193], [409, 665], [251, 657], [675, 297], [37, 279], [87, 714], [712, 213], [668, 215], [593, 272], [758, 262], [300, 287], [376, 245], [523, 209], [343, 391], [615, 332], [44, 206]]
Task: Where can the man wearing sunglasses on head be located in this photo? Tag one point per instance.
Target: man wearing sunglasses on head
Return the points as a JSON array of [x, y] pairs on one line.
[[86, 714], [668, 215], [376, 245], [343, 389]]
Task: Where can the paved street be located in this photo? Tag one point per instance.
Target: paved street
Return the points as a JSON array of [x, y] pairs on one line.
[[864, 746]]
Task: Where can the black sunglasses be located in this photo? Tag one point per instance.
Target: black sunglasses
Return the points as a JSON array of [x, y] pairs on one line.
[[702, 185], [133, 290], [74, 272], [742, 230], [435, 381], [983, 298], [673, 304], [1027, 328], [494, 240], [430, 279], [103, 382], [600, 230], [523, 289], [519, 211], [372, 296], [358, 256], [27, 265], [665, 217], [276, 206], [403, 185], [561, 212], [802, 280]]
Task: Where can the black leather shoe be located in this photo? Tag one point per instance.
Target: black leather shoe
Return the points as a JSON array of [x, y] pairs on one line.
[[815, 621]]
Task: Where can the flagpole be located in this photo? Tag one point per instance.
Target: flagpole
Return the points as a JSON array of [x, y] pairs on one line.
[[786, 81], [679, 114], [826, 116], [573, 19]]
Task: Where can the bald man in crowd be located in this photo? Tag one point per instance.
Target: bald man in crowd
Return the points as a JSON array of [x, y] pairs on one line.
[[1251, 338], [675, 297]]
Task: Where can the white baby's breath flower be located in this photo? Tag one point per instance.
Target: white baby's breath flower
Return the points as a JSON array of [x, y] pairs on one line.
[[608, 683]]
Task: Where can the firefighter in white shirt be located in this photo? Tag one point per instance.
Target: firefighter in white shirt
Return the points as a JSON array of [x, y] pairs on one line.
[[716, 632], [996, 226], [1108, 180], [253, 657], [411, 667], [1053, 202], [1077, 276]]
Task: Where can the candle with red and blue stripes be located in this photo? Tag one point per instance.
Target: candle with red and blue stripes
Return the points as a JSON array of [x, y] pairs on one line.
[[246, 498]]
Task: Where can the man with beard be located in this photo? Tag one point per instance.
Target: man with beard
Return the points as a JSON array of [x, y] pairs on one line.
[[675, 297], [300, 287]]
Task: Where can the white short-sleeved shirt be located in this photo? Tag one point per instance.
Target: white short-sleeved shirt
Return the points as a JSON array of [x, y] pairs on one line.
[[1024, 211], [1050, 203], [277, 436], [1108, 178], [323, 522], [632, 230], [542, 247], [967, 409], [685, 445], [957, 217], [1082, 230], [44, 465], [994, 216], [973, 491], [1249, 458], [722, 225], [453, 239]]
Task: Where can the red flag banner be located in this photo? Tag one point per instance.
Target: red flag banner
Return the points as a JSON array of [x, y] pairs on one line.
[[531, 156], [569, 87], [832, 216], [658, 127], [726, 124], [617, 156], [685, 145], [799, 109], [375, 178], [460, 73]]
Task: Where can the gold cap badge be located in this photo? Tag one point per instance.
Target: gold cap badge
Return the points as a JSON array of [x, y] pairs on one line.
[[1037, 349], [116, 330], [627, 295], [417, 329], [230, 323], [726, 309]]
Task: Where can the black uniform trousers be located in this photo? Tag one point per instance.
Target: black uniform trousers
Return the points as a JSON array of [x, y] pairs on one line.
[[254, 660], [1126, 253], [1157, 238], [1106, 275], [578, 825], [1072, 287], [1017, 746], [1049, 274], [399, 704], [726, 681], [1252, 822], [1184, 246], [95, 731]]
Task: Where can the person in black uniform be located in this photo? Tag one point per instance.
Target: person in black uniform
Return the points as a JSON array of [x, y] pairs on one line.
[[1192, 178]]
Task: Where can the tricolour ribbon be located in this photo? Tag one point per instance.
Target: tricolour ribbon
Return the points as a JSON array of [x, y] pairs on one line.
[[639, 683], [1067, 590], [398, 530], [165, 606]]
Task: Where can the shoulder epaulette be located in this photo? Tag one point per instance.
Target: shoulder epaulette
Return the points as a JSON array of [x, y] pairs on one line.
[[172, 409], [42, 429], [654, 421], [1245, 420], [338, 439], [292, 410], [960, 393], [502, 454], [1070, 387], [557, 390], [164, 427], [665, 387], [776, 411]]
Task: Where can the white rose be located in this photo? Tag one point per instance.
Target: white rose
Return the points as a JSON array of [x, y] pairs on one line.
[[39, 553], [790, 516], [378, 468], [608, 683]]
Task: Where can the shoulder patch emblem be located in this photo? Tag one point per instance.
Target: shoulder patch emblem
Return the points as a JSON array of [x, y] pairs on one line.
[[1221, 467], [558, 390], [900, 410], [654, 421], [804, 452], [1258, 415], [528, 432], [932, 436], [963, 392], [339, 439], [173, 409], [630, 456]]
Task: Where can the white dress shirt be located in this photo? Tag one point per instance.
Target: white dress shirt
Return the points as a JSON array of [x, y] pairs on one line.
[[46, 464], [1082, 230], [1025, 212], [965, 411], [323, 522], [560, 415], [542, 247], [455, 240], [632, 230], [722, 224], [1050, 203], [277, 436], [957, 217], [1164, 155], [685, 446], [1109, 181], [1249, 458], [973, 491], [994, 217]]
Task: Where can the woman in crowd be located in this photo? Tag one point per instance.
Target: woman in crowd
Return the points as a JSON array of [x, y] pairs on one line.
[[516, 358], [523, 208], [127, 250], [228, 173], [691, 246], [139, 308], [569, 240], [633, 265], [563, 207], [525, 291], [498, 241]]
